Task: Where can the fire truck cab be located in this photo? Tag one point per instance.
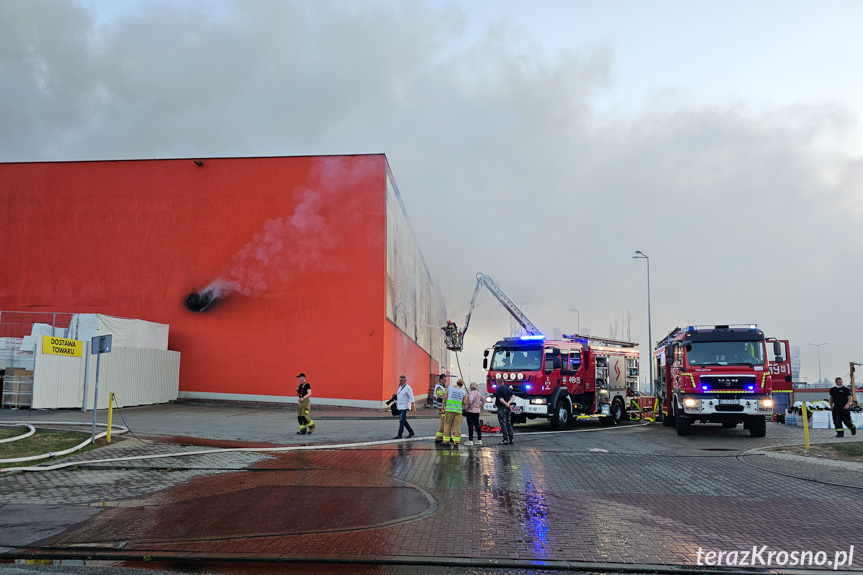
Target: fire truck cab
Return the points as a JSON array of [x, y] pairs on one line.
[[715, 374], [577, 377]]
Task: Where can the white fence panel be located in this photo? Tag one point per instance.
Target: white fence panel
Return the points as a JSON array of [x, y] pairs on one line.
[[58, 381], [135, 376]]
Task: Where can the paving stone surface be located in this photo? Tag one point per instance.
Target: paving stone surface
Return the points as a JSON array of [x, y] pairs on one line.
[[635, 494]]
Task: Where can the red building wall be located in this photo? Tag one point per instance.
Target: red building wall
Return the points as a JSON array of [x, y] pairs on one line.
[[296, 244]]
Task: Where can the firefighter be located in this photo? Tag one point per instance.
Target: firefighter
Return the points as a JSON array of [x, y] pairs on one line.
[[437, 403], [840, 405], [451, 335], [453, 407], [304, 404]]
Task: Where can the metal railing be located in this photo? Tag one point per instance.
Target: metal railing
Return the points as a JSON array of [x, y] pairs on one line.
[[20, 323]]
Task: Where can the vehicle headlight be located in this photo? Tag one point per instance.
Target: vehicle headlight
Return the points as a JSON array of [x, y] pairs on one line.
[[521, 376], [498, 376], [691, 403], [767, 402], [489, 399], [537, 401]]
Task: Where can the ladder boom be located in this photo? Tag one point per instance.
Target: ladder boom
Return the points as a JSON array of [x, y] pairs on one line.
[[454, 338], [507, 303]]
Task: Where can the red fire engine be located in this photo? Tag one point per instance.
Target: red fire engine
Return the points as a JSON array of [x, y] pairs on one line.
[[577, 377], [574, 377], [715, 374]]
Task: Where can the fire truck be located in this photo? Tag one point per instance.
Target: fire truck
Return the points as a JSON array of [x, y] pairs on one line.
[[576, 377], [715, 374]]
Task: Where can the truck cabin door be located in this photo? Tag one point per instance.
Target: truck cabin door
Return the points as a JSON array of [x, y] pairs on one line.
[[779, 359]]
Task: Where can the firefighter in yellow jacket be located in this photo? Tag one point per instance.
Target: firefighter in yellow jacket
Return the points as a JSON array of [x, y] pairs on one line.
[[453, 407], [437, 403]]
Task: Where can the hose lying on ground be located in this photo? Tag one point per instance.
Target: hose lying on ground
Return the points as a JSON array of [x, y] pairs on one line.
[[31, 431], [119, 430]]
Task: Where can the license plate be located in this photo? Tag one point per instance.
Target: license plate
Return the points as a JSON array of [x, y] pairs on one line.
[[516, 409], [729, 402]]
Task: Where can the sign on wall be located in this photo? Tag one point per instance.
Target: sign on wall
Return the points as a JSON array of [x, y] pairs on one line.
[[62, 346]]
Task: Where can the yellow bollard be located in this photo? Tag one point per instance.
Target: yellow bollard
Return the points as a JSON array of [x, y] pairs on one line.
[[805, 428], [111, 415]]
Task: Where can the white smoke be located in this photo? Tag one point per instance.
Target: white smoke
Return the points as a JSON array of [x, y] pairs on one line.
[[286, 245], [301, 241]]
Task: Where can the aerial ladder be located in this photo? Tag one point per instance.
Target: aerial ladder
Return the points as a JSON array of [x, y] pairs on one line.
[[454, 337]]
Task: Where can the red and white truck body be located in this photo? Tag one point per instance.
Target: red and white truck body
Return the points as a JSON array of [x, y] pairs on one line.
[[715, 374], [575, 377]]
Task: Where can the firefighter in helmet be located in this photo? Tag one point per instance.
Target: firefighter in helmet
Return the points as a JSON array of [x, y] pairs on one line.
[[437, 403], [451, 335]]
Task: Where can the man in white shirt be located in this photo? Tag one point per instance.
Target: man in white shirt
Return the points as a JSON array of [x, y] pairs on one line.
[[405, 402]]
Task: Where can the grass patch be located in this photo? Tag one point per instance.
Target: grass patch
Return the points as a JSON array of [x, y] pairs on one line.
[[6, 432], [854, 450], [851, 451], [43, 441]]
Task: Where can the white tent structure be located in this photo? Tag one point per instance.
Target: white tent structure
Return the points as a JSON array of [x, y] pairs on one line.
[[139, 370]]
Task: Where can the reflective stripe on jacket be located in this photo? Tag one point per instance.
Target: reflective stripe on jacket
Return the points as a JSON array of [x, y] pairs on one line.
[[455, 399]]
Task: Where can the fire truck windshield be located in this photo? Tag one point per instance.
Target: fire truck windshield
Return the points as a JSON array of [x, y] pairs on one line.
[[726, 353], [517, 359]]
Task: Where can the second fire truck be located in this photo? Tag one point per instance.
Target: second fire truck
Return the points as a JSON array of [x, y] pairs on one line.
[[715, 374], [576, 377]]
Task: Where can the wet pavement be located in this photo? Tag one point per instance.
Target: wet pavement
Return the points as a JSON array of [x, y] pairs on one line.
[[630, 497]]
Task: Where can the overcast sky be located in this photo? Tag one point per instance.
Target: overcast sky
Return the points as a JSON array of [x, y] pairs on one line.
[[540, 143]]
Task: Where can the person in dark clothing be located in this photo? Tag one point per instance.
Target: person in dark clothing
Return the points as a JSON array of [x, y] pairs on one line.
[[304, 405], [503, 399], [840, 405]]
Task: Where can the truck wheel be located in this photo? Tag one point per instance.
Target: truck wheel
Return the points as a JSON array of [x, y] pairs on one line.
[[617, 412], [729, 424], [757, 426], [671, 418], [683, 424], [667, 419], [560, 417]]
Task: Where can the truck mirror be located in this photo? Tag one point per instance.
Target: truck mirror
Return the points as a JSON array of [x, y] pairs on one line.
[[777, 348], [485, 363], [485, 353]]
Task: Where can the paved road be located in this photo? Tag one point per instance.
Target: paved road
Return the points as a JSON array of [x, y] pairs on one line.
[[632, 496]]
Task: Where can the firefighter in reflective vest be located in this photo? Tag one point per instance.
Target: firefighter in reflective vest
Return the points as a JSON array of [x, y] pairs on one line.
[[437, 403], [453, 407]]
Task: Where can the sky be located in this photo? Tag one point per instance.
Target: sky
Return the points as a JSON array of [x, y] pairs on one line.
[[540, 143]]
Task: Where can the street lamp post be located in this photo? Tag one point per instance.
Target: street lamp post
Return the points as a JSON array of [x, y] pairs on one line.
[[642, 256], [578, 318], [818, 346]]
